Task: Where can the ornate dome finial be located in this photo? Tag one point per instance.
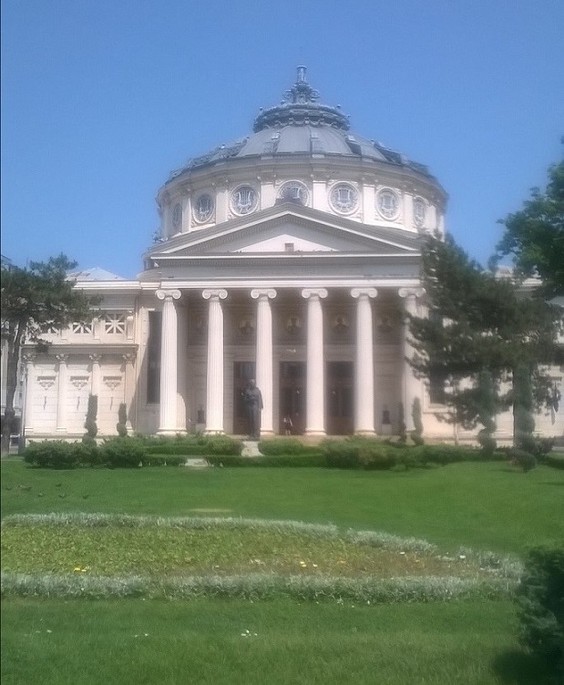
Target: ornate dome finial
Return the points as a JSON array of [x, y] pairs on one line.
[[301, 92], [300, 107]]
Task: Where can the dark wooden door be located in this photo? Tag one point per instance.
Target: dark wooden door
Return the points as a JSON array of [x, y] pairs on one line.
[[339, 384], [242, 374]]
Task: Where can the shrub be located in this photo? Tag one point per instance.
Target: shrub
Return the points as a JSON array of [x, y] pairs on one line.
[[121, 425], [541, 607], [90, 423], [402, 427], [124, 453], [53, 455], [277, 446], [525, 460], [417, 433], [556, 461]]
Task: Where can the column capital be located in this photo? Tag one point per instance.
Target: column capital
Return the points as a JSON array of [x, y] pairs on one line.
[[62, 357], [29, 357], [168, 294], [364, 292], [214, 294], [320, 293], [95, 358], [129, 357], [261, 293], [411, 292]]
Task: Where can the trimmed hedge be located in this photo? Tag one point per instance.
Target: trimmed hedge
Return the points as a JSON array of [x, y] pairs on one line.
[[189, 446], [283, 460]]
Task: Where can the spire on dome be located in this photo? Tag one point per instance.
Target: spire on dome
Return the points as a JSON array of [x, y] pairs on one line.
[[301, 92], [300, 107]]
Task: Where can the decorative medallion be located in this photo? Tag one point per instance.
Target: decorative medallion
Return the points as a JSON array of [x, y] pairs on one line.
[[244, 200], [344, 198], [340, 323], [294, 191], [388, 203], [177, 216], [203, 208], [419, 211]]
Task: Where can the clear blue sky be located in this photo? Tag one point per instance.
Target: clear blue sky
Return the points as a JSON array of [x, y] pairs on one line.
[[101, 99]]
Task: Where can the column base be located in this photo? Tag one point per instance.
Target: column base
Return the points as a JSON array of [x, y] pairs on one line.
[[61, 430], [366, 433], [267, 434], [211, 431]]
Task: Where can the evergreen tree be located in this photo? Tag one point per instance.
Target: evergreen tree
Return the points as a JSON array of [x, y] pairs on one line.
[[487, 409], [90, 423], [477, 321], [121, 425]]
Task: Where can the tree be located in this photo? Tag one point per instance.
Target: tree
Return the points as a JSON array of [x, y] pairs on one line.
[[36, 299], [477, 321], [90, 423], [534, 236]]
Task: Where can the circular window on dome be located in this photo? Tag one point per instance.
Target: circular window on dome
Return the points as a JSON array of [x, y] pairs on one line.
[[177, 215], [244, 200], [388, 203], [343, 198], [203, 208], [294, 191], [419, 211]]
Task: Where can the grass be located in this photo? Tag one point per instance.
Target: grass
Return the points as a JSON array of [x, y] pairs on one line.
[[206, 642], [484, 506]]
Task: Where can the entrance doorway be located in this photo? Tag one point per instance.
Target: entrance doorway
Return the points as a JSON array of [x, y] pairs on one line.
[[292, 396], [242, 374], [340, 379]]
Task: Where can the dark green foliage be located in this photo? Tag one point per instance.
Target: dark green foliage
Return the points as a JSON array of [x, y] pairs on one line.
[[164, 460], [524, 423], [541, 607], [90, 423], [190, 445], [124, 453], [402, 427], [55, 454], [477, 321], [286, 446], [556, 461], [417, 433], [121, 425], [534, 236], [314, 459], [523, 458], [34, 300], [487, 410]]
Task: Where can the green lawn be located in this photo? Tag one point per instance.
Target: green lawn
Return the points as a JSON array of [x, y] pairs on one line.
[[487, 506], [484, 506]]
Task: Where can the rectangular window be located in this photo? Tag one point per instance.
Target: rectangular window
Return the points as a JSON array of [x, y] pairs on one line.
[[154, 358], [437, 380]]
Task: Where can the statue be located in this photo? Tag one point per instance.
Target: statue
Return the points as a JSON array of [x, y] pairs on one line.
[[253, 402]]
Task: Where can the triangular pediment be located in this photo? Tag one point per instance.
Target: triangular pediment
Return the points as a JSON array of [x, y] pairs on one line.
[[289, 229]]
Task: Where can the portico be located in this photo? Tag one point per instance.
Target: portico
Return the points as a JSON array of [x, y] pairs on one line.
[[324, 356]]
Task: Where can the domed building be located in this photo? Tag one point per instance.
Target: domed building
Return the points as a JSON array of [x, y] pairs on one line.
[[288, 256]]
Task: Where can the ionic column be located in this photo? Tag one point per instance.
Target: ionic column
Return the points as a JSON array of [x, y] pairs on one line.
[[411, 386], [169, 361], [61, 392], [364, 366], [214, 387], [264, 377], [315, 361], [29, 360], [95, 386]]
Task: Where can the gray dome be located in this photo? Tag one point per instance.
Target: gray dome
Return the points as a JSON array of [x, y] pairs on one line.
[[301, 125]]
